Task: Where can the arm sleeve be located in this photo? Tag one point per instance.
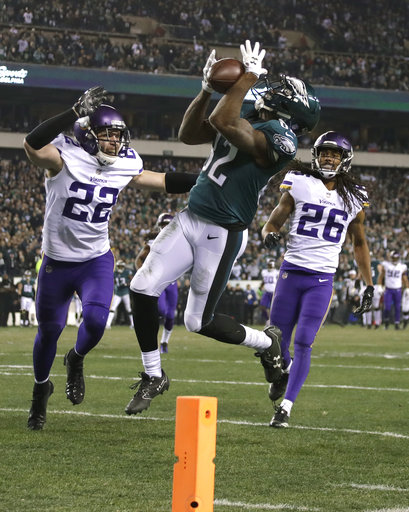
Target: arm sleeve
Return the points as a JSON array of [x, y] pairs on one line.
[[47, 131]]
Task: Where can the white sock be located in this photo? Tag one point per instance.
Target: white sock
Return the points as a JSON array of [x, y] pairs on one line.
[[165, 335], [256, 339], [110, 318], [151, 363], [130, 319], [287, 405]]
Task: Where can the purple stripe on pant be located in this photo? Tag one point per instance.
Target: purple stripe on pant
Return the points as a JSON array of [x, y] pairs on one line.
[[302, 297]]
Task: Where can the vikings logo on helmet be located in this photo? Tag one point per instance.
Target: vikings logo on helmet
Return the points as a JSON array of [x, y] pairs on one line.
[[91, 130], [337, 141]]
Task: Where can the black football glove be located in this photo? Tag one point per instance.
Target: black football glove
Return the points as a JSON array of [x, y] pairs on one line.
[[90, 101], [272, 239], [366, 302]]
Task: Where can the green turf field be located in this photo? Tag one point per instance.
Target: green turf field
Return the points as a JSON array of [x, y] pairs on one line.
[[347, 448]]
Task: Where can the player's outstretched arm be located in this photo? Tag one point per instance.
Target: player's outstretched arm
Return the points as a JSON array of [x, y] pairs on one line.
[[37, 143]]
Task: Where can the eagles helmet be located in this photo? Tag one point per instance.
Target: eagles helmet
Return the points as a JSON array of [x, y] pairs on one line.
[[87, 131], [27, 274], [120, 265], [163, 220], [291, 99], [332, 140]]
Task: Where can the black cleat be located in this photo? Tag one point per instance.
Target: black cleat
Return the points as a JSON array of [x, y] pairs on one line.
[[277, 388], [271, 357], [163, 348], [38, 411], [149, 387], [280, 418], [75, 386]]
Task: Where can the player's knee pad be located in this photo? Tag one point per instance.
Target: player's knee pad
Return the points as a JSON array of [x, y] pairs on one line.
[[94, 318]]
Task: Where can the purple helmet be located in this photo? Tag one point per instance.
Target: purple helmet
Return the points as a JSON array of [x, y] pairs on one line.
[[163, 220], [87, 131], [332, 140], [395, 256]]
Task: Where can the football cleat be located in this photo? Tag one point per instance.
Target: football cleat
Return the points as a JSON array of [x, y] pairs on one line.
[[163, 348], [149, 388], [277, 388], [75, 386], [280, 418], [38, 411], [271, 357]]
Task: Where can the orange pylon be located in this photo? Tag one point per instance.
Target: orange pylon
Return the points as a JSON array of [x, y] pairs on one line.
[[195, 447]]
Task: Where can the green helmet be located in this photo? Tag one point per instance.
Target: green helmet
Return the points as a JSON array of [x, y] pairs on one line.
[[291, 99]]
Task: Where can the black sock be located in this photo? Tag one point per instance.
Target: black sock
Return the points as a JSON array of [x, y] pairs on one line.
[[146, 320]]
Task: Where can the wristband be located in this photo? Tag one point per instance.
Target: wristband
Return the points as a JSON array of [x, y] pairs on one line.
[[179, 182]]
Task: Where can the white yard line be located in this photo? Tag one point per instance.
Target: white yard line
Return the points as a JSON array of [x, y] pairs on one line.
[[220, 421], [261, 506], [199, 381], [372, 487]]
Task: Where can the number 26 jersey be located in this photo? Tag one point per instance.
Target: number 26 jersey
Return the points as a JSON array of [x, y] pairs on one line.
[[319, 223]]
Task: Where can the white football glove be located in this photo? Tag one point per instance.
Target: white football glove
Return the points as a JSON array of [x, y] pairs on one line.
[[253, 58], [206, 70]]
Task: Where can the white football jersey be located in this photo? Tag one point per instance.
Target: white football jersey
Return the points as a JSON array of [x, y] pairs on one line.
[[79, 200], [318, 225], [393, 274], [269, 278]]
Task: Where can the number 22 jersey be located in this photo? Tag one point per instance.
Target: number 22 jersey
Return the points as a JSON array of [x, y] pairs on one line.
[[318, 224], [79, 201]]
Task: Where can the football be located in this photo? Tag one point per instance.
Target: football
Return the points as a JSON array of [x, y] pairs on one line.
[[224, 73]]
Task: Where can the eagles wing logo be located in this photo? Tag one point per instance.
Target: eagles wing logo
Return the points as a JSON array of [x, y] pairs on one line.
[[286, 145]]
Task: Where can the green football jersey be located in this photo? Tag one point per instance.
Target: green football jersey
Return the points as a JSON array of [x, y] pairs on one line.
[[122, 280], [228, 187], [27, 288]]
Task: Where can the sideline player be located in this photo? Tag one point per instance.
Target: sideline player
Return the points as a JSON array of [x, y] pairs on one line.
[[323, 204], [83, 179], [122, 278], [26, 290], [393, 276], [211, 233], [269, 276]]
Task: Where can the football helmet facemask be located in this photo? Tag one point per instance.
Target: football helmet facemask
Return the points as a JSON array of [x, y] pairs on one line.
[[91, 131], [395, 257], [332, 140], [290, 99]]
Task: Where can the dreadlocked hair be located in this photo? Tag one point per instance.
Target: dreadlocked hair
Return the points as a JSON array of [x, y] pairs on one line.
[[348, 186]]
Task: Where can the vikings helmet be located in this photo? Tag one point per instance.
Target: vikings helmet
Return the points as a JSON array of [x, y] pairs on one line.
[[290, 99], [87, 131], [336, 141], [395, 257], [163, 220]]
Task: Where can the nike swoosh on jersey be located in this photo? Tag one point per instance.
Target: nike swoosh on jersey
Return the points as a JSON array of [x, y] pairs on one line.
[[211, 237], [323, 280]]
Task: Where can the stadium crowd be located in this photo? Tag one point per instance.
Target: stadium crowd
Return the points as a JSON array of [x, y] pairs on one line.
[[22, 211], [349, 50]]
